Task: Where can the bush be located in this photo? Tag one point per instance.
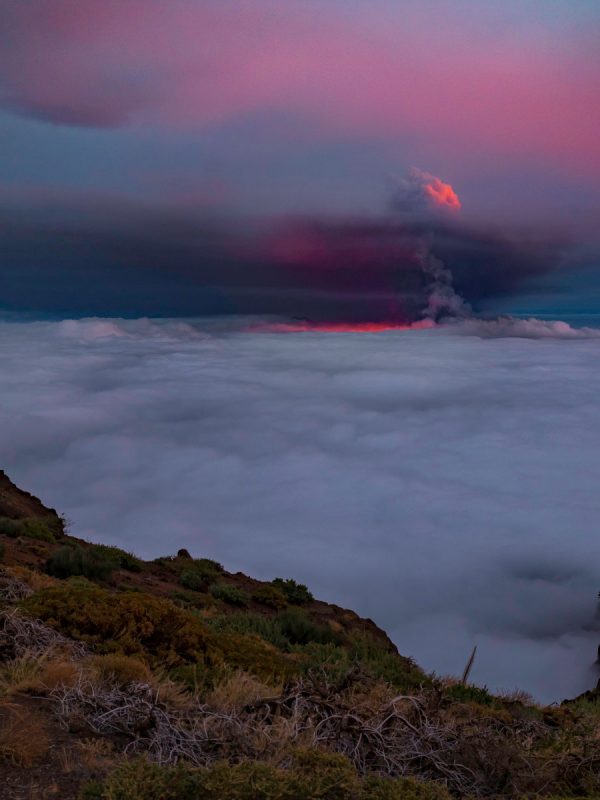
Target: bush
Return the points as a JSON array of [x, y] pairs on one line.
[[31, 527], [330, 658], [200, 574], [297, 628], [230, 594], [291, 627], [194, 580], [208, 565], [462, 693], [254, 624], [318, 775], [132, 623], [271, 596], [10, 527], [296, 593], [139, 779], [191, 599], [38, 529], [69, 560], [120, 558], [403, 789], [313, 774], [254, 655], [397, 670]]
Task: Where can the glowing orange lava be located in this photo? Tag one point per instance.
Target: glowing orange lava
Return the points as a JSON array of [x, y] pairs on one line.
[[341, 327]]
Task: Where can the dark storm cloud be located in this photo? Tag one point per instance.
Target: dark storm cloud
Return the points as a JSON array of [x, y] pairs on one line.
[[118, 258]]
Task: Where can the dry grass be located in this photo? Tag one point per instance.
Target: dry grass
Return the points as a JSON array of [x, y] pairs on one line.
[[23, 736], [30, 674], [67, 759], [58, 673], [474, 749], [19, 675], [171, 694], [517, 696], [118, 669], [239, 689], [31, 578], [96, 755]]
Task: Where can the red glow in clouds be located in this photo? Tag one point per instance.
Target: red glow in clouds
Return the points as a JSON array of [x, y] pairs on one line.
[[340, 327], [438, 193]]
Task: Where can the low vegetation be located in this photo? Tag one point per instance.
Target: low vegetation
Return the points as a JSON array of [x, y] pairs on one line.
[[230, 594], [70, 561], [176, 680], [31, 528], [293, 592], [310, 775]]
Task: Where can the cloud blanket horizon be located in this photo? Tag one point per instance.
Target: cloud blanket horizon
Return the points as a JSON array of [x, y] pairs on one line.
[[441, 480]]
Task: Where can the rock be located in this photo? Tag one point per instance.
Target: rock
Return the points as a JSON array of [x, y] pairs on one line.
[[183, 553]]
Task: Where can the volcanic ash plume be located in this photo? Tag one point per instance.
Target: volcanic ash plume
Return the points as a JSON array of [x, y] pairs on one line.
[[419, 200], [422, 193], [442, 300]]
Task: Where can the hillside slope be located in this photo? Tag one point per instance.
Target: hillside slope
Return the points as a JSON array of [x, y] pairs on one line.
[[175, 680]]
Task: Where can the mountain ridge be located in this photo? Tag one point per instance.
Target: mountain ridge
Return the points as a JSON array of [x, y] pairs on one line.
[[174, 679]]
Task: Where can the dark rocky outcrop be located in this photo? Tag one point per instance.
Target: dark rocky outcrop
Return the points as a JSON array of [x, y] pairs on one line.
[[17, 504]]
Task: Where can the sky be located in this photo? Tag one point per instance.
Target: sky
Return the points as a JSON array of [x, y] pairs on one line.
[[183, 121], [442, 481]]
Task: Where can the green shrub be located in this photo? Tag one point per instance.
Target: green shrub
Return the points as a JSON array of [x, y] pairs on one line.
[[190, 599], [334, 660], [199, 574], [375, 788], [319, 774], [140, 779], [11, 527], [377, 661], [129, 622], [462, 693], [271, 596], [120, 558], [290, 627], [89, 562], [248, 623], [312, 775], [31, 527], [297, 628], [194, 580], [198, 678], [167, 562], [296, 593], [208, 565], [94, 790], [230, 594], [39, 529], [254, 655]]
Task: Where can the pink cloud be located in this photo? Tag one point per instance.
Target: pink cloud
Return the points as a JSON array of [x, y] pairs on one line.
[[189, 65]]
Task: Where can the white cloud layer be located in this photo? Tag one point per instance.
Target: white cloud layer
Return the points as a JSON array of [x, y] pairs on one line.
[[445, 485]]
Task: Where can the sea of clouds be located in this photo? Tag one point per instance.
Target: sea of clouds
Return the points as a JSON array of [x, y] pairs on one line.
[[443, 481]]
